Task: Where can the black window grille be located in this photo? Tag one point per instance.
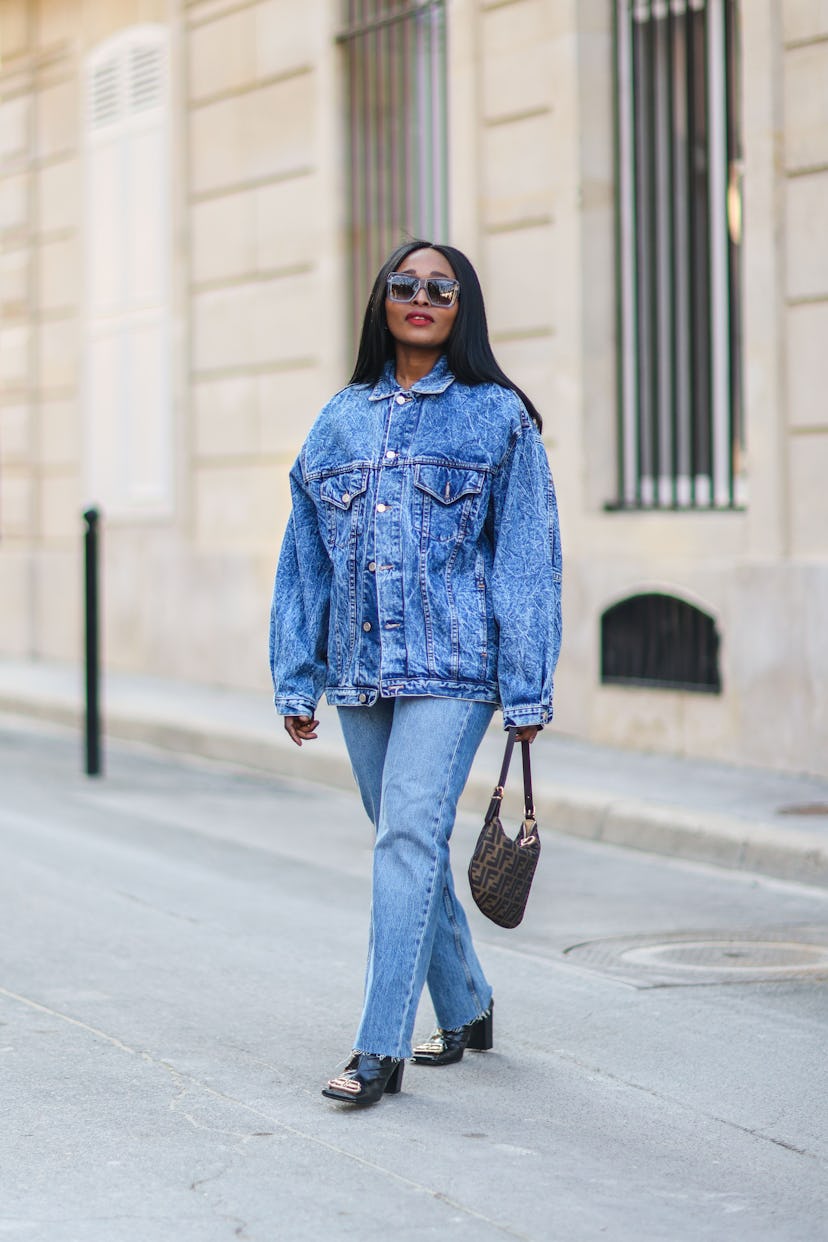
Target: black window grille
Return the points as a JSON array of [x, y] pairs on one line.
[[678, 170], [395, 58], [660, 641]]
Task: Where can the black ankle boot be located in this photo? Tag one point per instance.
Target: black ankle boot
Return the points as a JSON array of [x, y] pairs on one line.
[[446, 1047], [365, 1079]]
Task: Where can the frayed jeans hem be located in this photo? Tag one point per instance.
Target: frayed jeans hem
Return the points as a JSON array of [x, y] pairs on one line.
[[363, 1052]]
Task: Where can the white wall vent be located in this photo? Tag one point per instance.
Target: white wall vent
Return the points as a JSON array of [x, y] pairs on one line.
[[146, 85], [105, 93]]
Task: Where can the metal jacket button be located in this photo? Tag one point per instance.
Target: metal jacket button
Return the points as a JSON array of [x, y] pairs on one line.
[[372, 567], [366, 625], [381, 508], [400, 399]]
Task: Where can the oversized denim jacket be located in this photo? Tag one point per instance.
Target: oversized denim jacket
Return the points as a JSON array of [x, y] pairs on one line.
[[422, 555]]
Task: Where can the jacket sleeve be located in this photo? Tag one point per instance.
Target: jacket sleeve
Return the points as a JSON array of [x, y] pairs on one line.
[[526, 579], [300, 609]]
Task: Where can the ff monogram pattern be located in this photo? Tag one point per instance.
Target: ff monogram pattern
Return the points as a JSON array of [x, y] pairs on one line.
[[502, 869]]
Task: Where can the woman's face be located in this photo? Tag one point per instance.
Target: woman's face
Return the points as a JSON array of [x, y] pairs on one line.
[[418, 323]]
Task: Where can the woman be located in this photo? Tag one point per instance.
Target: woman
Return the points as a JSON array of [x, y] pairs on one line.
[[419, 587]]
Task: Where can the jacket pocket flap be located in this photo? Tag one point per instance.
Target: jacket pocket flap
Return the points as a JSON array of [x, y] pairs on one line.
[[341, 489], [448, 483]]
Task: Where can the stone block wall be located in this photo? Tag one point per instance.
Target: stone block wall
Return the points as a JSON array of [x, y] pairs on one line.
[[260, 339], [39, 397], [257, 336], [805, 96]]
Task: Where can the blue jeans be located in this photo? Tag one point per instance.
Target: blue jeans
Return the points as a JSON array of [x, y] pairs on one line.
[[411, 758]]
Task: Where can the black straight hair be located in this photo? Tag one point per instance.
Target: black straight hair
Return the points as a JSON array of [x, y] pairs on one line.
[[468, 350]]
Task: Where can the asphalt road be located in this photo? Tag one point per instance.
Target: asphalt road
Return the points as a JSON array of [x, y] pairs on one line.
[[182, 954]]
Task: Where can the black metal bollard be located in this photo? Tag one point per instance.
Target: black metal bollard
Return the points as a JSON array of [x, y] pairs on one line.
[[93, 720]]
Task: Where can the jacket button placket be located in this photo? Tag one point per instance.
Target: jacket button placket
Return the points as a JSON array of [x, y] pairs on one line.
[[388, 541]]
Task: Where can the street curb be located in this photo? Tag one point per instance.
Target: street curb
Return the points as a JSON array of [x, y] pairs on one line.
[[789, 853], [723, 840]]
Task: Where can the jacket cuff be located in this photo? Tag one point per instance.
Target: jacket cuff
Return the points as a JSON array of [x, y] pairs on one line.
[[286, 706], [526, 714]]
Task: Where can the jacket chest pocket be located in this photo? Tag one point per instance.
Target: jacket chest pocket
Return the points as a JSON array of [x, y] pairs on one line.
[[341, 500], [447, 499]]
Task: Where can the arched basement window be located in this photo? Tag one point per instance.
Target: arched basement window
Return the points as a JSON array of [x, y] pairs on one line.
[[127, 384], [662, 642]]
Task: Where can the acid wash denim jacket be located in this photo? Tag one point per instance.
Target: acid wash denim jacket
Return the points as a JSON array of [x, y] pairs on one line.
[[422, 555]]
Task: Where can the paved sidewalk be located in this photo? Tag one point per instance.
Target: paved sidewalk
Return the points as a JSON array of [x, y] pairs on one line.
[[182, 969], [737, 817]]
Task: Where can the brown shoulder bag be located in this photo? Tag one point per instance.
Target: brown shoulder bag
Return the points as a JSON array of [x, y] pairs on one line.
[[501, 869]]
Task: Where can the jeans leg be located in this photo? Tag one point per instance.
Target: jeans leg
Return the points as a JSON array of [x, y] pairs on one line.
[[366, 731], [456, 982], [427, 761]]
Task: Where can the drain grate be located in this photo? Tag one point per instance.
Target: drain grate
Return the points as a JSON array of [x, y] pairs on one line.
[[704, 957]]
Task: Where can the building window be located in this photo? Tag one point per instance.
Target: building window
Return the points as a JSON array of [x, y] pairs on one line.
[[127, 386], [660, 641], [678, 239], [395, 55]]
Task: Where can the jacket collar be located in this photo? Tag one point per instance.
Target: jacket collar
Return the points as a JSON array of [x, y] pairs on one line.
[[438, 380]]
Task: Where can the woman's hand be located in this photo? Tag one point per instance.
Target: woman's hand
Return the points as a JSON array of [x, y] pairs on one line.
[[527, 734], [301, 728]]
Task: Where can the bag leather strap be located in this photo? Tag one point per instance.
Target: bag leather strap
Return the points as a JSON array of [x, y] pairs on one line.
[[497, 796], [528, 800]]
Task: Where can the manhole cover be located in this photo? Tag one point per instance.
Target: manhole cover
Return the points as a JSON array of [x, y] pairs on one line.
[[762, 955], [687, 958]]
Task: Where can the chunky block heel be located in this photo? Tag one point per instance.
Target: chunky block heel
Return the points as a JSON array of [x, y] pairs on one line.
[[447, 1047], [394, 1084], [481, 1035]]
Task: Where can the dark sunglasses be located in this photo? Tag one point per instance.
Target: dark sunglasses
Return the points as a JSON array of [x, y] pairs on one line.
[[440, 291]]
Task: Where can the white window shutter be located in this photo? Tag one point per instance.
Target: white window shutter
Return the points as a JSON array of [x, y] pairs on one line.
[[106, 202], [146, 218], [127, 390], [149, 381], [105, 360]]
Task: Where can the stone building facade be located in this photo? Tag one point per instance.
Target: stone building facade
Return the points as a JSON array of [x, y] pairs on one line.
[[181, 183]]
